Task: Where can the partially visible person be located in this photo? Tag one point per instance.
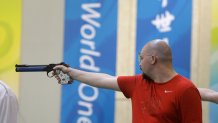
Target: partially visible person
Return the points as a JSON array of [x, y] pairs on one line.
[[208, 95], [8, 104]]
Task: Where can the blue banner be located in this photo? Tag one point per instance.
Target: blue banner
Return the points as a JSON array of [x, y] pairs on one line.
[[170, 20], [90, 45]]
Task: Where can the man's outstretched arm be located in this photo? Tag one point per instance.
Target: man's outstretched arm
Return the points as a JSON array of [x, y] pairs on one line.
[[100, 80], [208, 95]]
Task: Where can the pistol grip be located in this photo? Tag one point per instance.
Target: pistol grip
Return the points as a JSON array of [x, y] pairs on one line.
[[65, 79]]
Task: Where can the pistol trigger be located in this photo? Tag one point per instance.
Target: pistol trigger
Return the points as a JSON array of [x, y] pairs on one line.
[[49, 74]]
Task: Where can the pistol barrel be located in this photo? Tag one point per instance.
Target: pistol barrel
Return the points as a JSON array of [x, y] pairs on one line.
[[30, 68]]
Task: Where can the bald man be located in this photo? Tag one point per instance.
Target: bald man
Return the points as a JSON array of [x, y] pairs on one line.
[[158, 95]]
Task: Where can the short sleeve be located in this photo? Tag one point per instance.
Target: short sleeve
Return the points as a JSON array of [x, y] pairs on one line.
[[127, 85], [190, 106]]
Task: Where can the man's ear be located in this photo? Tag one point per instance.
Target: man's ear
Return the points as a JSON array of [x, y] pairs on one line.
[[153, 59]]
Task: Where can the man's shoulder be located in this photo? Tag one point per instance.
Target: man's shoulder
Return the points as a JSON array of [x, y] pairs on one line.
[[3, 86], [184, 81], [183, 84], [137, 77], [5, 90]]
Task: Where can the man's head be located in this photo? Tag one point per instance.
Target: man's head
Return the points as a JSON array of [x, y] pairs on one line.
[[155, 55]]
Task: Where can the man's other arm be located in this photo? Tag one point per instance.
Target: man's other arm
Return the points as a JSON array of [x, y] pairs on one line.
[[208, 95]]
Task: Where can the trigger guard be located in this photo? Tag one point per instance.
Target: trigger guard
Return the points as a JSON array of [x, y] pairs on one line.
[[50, 75]]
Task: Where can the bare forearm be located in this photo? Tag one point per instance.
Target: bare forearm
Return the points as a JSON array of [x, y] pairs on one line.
[[208, 95], [94, 79], [214, 97], [87, 77]]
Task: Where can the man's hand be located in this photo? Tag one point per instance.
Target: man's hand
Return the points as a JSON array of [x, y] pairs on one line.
[[61, 68]]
